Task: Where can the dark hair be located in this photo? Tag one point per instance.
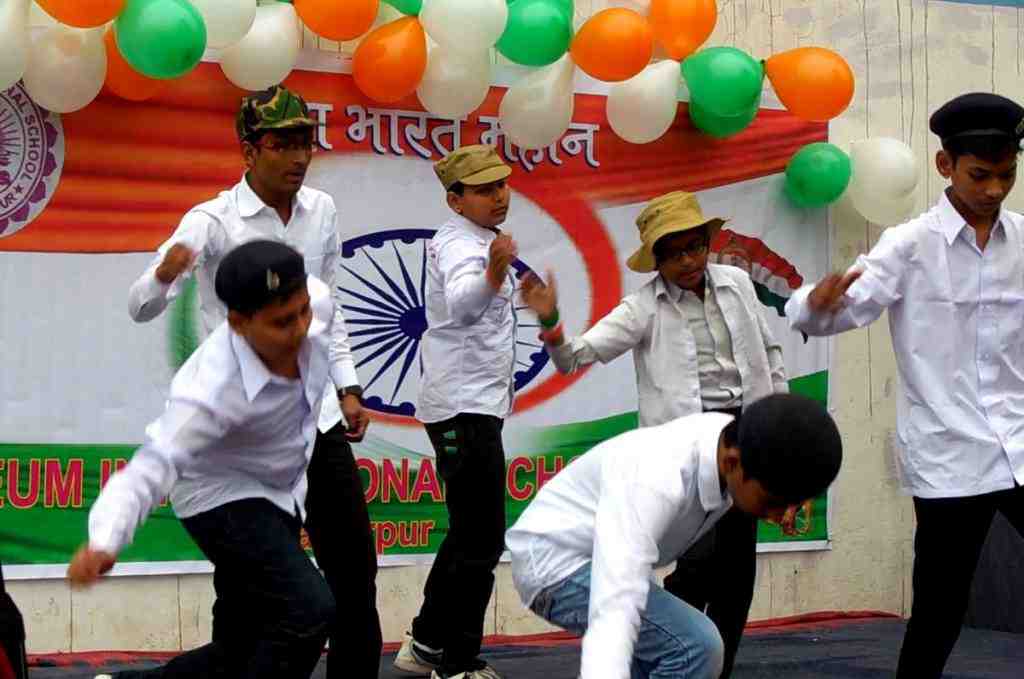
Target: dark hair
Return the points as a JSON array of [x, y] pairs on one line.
[[660, 245], [992, 148], [458, 188], [790, 444]]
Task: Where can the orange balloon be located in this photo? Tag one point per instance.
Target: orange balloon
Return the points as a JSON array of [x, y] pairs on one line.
[[338, 19], [122, 79], [614, 45], [681, 26], [82, 13], [389, 63], [813, 83]]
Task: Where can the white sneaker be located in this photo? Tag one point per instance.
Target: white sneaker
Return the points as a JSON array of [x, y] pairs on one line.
[[485, 672], [417, 659], [103, 676]]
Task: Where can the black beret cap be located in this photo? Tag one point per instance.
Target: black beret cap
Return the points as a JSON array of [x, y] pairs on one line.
[[257, 273], [978, 114]]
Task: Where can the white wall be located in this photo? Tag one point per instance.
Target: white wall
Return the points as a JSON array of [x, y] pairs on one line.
[[909, 57]]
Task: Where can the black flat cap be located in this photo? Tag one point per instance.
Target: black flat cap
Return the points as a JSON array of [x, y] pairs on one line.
[[257, 273], [978, 114]]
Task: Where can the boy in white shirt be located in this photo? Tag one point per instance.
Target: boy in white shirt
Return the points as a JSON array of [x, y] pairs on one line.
[[231, 451], [584, 551], [952, 281]]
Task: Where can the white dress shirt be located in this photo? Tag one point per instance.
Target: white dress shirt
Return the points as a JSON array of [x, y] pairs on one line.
[[216, 227], [469, 348], [652, 323], [232, 430], [956, 315], [625, 513]]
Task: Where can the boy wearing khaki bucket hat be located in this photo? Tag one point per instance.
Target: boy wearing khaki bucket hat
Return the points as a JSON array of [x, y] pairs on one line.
[[700, 342], [466, 389]]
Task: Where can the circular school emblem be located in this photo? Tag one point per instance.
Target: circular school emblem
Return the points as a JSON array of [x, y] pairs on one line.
[[31, 158]]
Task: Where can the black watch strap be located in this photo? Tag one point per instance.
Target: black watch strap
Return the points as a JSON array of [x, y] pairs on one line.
[[351, 390]]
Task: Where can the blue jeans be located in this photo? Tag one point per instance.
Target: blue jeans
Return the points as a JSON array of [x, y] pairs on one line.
[[676, 640]]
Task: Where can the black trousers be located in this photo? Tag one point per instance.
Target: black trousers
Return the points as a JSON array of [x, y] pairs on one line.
[[273, 608], [717, 575], [950, 535], [13, 664], [338, 526], [471, 462]]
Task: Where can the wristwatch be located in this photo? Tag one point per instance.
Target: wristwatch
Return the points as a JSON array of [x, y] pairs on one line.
[[351, 390]]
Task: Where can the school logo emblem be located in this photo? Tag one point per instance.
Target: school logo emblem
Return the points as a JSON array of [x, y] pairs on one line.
[[31, 159]]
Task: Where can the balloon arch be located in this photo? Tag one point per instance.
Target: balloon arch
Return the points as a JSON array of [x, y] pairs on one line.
[[442, 51]]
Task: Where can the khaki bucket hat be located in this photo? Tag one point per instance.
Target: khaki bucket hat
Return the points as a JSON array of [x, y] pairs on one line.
[[670, 213]]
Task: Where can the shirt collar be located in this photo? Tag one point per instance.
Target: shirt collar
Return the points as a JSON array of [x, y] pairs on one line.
[[255, 375], [709, 487], [480, 232], [951, 222], [675, 293], [249, 204]]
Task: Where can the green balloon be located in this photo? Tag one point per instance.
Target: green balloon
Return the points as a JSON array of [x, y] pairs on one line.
[[410, 7], [724, 81], [161, 38], [568, 5], [538, 32], [817, 175], [721, 126]]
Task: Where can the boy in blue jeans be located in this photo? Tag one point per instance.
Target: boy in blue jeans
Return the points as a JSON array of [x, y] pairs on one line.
[[584, 551]]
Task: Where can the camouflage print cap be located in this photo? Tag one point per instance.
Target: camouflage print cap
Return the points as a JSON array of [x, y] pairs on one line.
[[276, 108], [472, 166]]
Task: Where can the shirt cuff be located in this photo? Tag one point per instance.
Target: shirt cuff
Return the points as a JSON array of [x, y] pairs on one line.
[[155, 288], [105, 540], [797, 309], [344, 375], [561, 355]]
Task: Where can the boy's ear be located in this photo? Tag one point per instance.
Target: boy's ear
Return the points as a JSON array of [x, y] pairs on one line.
[[238, 321], [731, 460], [455, 202]]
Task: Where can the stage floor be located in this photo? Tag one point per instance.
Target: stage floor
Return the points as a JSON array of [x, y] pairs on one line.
[[844, 648]]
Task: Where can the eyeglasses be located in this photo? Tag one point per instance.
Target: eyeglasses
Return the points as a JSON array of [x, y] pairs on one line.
[[693, 250]]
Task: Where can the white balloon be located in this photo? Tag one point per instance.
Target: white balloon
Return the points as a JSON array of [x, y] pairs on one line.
[[642, 108], [14, 33], [455, 83], [884, 177], [537, 110], [66, 68], [471, 26], [267, 53], [227, 21]]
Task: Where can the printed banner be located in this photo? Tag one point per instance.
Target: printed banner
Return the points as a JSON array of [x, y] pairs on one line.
[[85, 198]]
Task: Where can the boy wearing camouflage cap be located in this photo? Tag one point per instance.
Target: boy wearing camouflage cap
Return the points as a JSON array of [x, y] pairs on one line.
[[700, 343], [276, 134], [466, 391]]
